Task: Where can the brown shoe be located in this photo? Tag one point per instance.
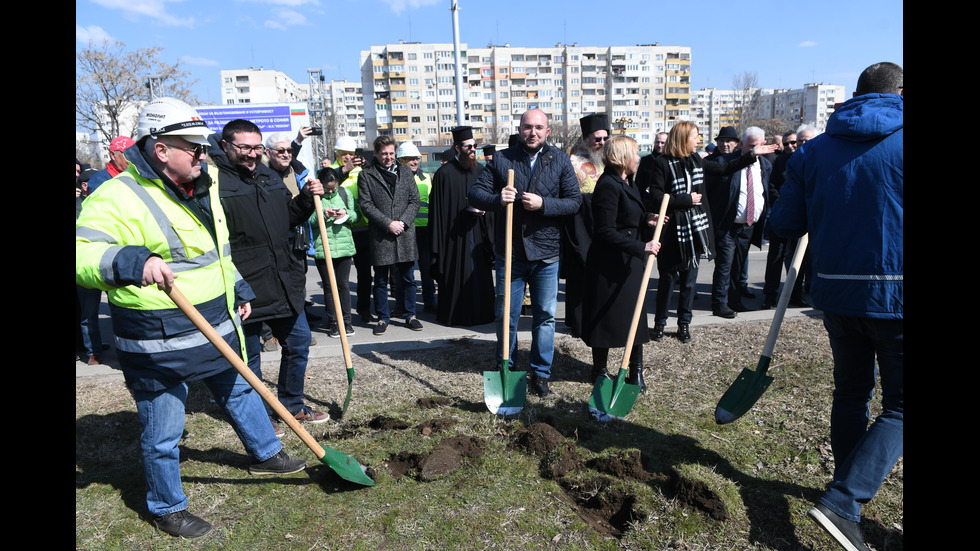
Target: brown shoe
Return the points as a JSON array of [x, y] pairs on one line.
[[94, 360], [275, 426], [312, 416]]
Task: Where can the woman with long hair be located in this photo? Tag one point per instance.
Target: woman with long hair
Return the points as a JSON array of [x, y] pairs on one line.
[[614, 265], [687, 235]]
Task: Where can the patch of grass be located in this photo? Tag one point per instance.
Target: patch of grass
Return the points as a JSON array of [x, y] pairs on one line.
[[768, 467]]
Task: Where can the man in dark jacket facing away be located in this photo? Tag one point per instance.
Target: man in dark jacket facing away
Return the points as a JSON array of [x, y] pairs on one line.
[[846, 189], [545, 192], [269, 253]]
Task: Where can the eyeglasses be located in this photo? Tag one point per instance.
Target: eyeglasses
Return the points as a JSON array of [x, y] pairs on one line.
[[196, 151], [468, 146], [244, 149], [791, 142], [600, 138], [282, 151]]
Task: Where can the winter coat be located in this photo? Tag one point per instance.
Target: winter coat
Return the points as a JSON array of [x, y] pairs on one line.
[[553, 178], [340, 235], [846, 188], [265, 245], [381, 205]]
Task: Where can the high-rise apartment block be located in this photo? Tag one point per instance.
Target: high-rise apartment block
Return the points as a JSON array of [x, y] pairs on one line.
[[410, 89]]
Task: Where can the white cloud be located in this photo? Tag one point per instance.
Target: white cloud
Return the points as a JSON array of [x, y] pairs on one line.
[[807, 44], [92, 34], [286, 18], [398, 6], [154, 9], [202, 61]]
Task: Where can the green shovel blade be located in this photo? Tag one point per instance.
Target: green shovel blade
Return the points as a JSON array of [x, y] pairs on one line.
[[612, 398], [346, 466], [350, 385], [743, 393], [504, 391]]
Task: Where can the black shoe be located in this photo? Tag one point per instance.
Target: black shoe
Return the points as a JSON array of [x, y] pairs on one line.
[[366, 316], [657, 333], [745, 292], [723, 311], [277, 464], [684, 332], [739, 307], [414, 324], [381, 327], [798, 303], [333, 332], [769, 303], [430, 308], [599, 372], [635, 377], [183, 524], [540, 387], [844, 532]]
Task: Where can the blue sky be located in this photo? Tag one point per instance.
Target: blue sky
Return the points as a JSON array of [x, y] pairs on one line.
[[786, 43]]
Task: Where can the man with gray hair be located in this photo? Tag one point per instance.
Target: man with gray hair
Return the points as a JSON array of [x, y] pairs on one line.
[[738, 212]]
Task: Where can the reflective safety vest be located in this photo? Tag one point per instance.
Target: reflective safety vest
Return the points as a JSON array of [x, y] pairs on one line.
[[129, 215], [425, 186], [350, 184]]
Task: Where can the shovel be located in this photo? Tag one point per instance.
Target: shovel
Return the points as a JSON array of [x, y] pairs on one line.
[[614, 398], [749, 386], [506, 391], [344, 465], [336, 301]]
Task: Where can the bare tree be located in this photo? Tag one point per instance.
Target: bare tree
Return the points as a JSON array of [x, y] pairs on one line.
[[563, 134], [746, 87], [111, 83]]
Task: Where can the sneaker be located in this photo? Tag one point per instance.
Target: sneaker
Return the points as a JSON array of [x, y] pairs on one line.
[[414, 324], [312, 416], [844, 532], [182, 524], [312, 341], [333, 332], [275, 426], [270, 345], [277, 464], [381, 327], [349, 329]]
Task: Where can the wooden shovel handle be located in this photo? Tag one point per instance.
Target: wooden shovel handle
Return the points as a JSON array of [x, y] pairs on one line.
[[645, 282], [508, 247], [791, 275], [333, 280], [232, 356]]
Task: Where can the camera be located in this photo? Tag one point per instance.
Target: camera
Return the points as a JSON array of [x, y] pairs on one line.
[[316, 131]]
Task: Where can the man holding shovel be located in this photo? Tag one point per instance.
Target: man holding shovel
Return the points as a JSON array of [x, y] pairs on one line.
[[158, 221], [846, 189]]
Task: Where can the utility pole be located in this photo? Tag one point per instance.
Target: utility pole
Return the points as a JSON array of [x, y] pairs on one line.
[[460, 120]]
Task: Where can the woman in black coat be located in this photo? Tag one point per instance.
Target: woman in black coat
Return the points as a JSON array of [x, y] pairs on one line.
[[615, 262], [687, 235]]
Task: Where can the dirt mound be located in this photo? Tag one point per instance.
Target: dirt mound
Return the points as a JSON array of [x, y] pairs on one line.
[[432, 403], [383, 422], [561, 462], [698, 495], [625, 465], [402, 463], [606, 508], [438, 424], [538, 439], [445, 458]]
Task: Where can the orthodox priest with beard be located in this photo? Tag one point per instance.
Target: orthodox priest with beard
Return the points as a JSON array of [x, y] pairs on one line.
[[586, 158], [462, 244]]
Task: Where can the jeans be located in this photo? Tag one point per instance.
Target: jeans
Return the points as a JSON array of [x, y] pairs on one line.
[[293, 334], [863, 455], [405, 280], [161, 416], [88, 301], [542, 278], [732, 252]]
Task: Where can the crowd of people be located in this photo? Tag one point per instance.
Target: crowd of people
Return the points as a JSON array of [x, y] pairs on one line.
[[234, 220]]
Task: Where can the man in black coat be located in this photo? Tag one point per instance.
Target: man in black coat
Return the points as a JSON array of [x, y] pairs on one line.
[[738, 211], [270, 254]]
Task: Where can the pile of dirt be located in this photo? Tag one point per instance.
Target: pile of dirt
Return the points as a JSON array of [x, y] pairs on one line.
[[445, 458], [627, 465], [432, 403], [696, 494], [538, 439], [439, 424]]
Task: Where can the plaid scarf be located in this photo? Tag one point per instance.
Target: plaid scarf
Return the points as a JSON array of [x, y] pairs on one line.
[[693, 224]]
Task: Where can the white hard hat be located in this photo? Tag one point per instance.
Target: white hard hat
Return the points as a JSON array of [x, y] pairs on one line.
[[407, 149], [172, 117], [345, 143]]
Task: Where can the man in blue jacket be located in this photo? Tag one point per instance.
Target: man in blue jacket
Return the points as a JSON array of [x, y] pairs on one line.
[[545, 191], [845, 187]]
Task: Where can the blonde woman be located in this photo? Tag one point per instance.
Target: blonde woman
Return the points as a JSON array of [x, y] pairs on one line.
[[614, 265]]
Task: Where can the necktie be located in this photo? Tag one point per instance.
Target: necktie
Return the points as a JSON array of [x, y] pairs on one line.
[[749, 198]]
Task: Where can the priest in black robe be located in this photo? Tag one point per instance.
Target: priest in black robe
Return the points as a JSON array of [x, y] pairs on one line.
[[462, 244]]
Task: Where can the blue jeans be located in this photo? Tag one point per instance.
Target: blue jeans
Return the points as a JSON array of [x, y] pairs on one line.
[[161, 415], [405, 282], [293, 334], [542, 278], [863, 455], [88, 300]]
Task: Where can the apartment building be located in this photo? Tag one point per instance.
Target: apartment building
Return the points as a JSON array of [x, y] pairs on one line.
[[410, 89], [241, 86], [813, 104]]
